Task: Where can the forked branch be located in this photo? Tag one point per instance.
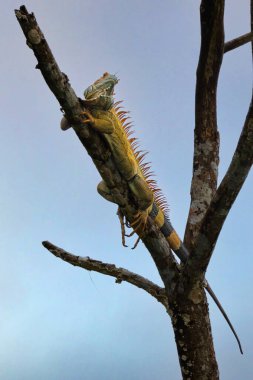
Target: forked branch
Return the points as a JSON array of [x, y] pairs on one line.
[[225, 196]]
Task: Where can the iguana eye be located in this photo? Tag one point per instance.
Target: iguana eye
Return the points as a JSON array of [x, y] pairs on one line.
[[88, 91]]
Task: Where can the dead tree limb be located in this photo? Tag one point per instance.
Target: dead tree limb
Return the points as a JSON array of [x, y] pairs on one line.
[[206, 136], [120, 274]]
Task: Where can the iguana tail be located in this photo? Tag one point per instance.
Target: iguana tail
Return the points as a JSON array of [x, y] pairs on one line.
[[169, 233]]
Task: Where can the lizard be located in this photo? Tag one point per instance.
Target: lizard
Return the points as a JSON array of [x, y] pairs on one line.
[[109, 119]]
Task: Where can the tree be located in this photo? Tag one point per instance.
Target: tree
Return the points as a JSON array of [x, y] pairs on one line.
[[183, 294]]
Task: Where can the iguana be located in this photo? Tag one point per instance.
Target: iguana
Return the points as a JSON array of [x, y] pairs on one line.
[[108, 118]]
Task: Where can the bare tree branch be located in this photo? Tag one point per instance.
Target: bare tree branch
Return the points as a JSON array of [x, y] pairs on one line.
[[225, 195], [237, 42], [55, 79], [94, 144], [120, 274], [206, 136]]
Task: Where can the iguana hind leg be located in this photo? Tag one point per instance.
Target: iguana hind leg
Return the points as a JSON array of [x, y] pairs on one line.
[[139, 223], [142, 193], [144, 197], [104, 191], [123, 222]]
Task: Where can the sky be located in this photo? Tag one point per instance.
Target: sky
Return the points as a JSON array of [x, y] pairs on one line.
[[62, 322]]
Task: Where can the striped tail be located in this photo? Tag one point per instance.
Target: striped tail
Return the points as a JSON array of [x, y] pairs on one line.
[[169, 233]]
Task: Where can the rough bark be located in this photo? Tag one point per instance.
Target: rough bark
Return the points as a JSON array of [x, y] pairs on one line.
[[192, 328], [206, 136]]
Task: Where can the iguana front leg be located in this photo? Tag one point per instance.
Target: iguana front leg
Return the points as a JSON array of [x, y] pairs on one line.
[[103, 125], [145, 199]]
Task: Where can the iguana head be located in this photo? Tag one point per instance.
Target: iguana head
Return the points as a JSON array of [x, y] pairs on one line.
[[100, 93]]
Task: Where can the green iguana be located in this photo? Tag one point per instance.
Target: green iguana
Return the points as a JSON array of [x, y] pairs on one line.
[[108, 118]]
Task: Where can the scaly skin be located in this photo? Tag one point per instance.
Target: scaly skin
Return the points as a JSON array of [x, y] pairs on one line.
[[109, 120], [108, 123]]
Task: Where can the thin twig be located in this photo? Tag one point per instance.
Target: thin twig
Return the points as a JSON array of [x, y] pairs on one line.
[[237, 42]]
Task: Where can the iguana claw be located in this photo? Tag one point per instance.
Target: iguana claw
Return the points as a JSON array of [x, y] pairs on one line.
[[139, 223], [136, 243], [89, 118]]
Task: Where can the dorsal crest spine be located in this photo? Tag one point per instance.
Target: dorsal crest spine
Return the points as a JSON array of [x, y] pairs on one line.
[[139, 155]]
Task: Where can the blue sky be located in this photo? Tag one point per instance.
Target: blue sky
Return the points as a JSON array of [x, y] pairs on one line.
[[61, 322]]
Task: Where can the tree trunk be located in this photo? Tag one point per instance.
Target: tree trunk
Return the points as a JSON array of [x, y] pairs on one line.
[[193, 335]]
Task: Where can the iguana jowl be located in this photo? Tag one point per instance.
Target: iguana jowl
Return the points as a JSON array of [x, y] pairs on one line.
[[109, 119]]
